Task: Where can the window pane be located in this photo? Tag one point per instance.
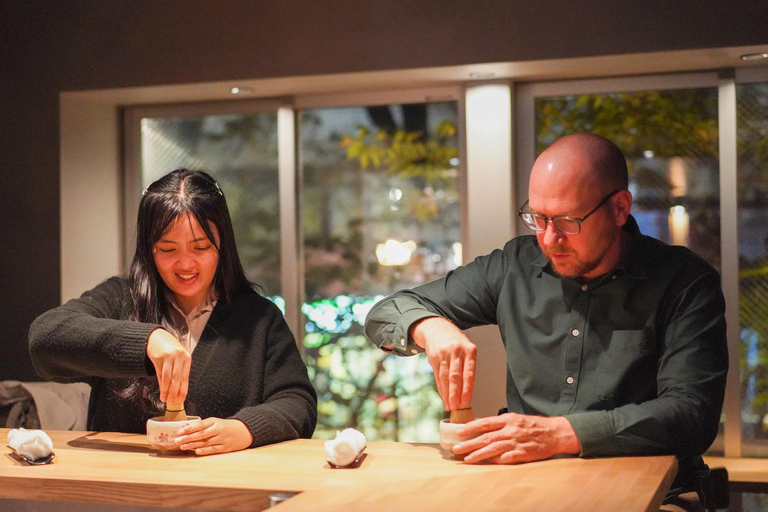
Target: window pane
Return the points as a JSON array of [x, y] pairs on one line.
[[240, 152], [380, 212], [670, 141], [752, 137]]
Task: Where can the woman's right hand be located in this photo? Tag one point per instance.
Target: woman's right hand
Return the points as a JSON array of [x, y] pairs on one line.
[[172, 363]]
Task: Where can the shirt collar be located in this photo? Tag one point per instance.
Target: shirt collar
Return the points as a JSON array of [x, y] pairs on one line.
[[205, 307], [632, 261]]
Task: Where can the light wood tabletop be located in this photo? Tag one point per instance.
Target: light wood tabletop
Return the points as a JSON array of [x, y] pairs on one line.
[[122, 469]]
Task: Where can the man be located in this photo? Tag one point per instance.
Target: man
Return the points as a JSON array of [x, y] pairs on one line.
[[615, 342]]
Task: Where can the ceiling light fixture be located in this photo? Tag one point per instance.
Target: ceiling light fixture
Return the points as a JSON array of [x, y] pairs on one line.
[[754, 56], [482, 75], [241, 90]]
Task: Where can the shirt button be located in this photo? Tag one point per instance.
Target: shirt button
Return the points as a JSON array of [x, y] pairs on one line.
[[569, 380], [584, 287], [575, 332], [414, 351]]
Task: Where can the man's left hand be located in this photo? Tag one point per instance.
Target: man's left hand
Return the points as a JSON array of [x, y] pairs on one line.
[[513, 438]]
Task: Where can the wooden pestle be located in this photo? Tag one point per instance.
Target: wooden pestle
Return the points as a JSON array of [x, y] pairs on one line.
[[462, 415], [175, 412]]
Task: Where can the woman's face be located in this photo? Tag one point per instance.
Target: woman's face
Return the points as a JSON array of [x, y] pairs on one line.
[[187, 260]]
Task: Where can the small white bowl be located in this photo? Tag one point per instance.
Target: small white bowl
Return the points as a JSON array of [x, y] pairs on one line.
[[162, 434], [449, 437]]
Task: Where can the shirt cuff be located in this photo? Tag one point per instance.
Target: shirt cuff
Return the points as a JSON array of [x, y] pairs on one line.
[[595, 431], [400, 341]]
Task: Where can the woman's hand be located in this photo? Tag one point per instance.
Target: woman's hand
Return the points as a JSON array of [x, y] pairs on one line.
[[214, 435], [172, 363]]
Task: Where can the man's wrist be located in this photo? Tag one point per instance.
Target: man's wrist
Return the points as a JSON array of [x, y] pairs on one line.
[[417, 338], [416, 331], [568, 441]]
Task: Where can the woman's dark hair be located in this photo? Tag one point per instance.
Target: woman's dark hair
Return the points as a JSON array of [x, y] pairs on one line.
[[181, 192]]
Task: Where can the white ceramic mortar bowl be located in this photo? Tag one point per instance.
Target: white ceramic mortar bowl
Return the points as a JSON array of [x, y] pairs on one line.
[[449, 437], [161, 434]]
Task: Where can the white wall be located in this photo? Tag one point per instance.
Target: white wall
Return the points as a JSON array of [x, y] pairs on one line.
[[91, 228]]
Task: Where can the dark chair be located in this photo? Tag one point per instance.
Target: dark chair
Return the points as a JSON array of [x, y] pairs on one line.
[[714, 487], [17, 406], [711, 492]]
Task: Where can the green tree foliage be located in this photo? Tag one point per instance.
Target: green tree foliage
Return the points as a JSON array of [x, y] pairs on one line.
[[410, 156], [669, 123], [402, 177], [406, 154], [384, 396]]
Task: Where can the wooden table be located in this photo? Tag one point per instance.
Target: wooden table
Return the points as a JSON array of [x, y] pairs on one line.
[[122, 469]]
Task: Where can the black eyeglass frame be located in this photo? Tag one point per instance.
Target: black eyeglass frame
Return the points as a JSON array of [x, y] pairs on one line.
[[578, 220]]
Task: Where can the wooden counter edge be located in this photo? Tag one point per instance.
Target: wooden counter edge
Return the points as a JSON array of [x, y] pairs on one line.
[[407, 496], [135, 494]]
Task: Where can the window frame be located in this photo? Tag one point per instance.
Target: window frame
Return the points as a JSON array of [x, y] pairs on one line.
[[288, 108], [728, 151]]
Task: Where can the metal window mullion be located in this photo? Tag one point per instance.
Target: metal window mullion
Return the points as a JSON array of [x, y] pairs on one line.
[[131, 183], [729, 250], [463, 176], [291, 268]]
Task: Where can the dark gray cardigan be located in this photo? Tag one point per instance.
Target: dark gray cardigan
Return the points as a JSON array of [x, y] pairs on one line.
[[246, 364]]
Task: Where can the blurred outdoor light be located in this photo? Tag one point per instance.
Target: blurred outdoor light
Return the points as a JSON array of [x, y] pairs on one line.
[[648, 153], [393, 253], [480, 75], [679, 225], [678, 170]]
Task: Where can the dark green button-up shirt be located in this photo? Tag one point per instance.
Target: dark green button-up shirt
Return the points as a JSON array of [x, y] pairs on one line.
[[636, 360]]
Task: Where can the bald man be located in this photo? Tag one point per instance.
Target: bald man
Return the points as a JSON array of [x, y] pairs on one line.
[[615, 341]]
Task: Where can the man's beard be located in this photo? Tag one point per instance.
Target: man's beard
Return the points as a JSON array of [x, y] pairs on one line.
[[575, 268]]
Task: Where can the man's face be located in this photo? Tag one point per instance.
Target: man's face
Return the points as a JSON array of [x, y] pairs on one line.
[[571, 178], [564, 182], [578, 255]]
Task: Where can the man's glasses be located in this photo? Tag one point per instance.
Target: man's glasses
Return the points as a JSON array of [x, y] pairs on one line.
[[563, 223]]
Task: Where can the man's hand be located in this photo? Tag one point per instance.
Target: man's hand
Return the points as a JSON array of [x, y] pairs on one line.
[[512, 438], [453, 358], [214, 435], [172, 363]]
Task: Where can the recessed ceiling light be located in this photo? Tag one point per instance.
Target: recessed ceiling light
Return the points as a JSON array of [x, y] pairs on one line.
[[482, 75], [754, 56], [241, 90]]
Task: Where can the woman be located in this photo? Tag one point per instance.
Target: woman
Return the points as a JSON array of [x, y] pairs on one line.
[[186, 327]]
